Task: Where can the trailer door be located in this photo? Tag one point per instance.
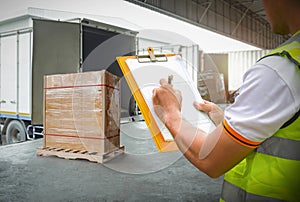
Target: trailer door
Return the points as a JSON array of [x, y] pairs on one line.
[[56, 50], [8, 76], [24, 60]]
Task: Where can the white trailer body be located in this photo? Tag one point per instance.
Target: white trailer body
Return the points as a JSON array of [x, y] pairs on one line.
[[15, 74], [31, 47], [15, 77]]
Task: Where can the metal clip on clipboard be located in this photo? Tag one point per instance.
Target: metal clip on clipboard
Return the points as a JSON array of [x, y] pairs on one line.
[[151, 57]]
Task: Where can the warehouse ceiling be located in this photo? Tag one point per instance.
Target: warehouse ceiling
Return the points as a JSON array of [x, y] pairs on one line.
[[243, 20]]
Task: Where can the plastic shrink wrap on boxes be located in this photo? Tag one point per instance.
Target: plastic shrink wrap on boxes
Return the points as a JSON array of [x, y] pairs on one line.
[[82, 111]]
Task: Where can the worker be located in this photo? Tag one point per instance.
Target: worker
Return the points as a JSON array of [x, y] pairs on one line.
[[258, 147]]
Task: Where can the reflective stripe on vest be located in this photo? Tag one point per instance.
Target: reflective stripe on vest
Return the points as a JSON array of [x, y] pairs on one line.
[[233, 193], [281, 147], [272, 171]]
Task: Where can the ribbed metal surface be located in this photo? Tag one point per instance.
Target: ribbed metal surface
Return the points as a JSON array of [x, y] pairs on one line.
[[238, 63], [241, 20]]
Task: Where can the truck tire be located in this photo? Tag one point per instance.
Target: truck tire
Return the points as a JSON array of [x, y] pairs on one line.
[[15, 132]]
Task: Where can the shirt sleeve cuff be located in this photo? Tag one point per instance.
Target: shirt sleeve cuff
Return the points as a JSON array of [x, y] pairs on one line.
[[237, 137]]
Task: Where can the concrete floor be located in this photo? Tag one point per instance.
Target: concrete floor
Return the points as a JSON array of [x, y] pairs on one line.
[[141, 174]]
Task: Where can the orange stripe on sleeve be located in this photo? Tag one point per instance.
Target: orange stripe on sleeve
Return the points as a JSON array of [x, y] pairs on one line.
[[237, 137]]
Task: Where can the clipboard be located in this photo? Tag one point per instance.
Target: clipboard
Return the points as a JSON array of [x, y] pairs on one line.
[[142, 73]]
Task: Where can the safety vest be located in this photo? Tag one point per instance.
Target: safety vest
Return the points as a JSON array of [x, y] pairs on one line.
[[272, 171]]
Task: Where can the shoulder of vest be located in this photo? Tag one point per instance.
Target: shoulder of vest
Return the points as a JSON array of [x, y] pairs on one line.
[[283, 53], [284, 50]]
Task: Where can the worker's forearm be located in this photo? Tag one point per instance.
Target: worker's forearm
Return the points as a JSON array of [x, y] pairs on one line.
[[187, 137], [195, 144], [191, 141], [203, 150]]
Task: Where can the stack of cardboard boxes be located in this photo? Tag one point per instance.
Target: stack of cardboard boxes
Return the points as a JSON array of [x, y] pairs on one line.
[[81, 115]]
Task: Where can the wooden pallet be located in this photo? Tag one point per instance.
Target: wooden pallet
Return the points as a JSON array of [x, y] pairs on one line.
[[79, 154]]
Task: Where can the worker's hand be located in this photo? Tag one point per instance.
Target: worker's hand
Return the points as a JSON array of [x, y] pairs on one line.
[[214, 112], [166, 102]]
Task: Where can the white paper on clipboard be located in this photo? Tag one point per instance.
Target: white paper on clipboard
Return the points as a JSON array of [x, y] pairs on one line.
[[147, 76]]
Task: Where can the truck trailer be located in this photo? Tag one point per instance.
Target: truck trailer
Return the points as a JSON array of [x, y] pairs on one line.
[[44, 42], [31, 47]]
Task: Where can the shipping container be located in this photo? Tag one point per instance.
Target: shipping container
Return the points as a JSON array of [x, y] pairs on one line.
[[222, 73], [238, 63]]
